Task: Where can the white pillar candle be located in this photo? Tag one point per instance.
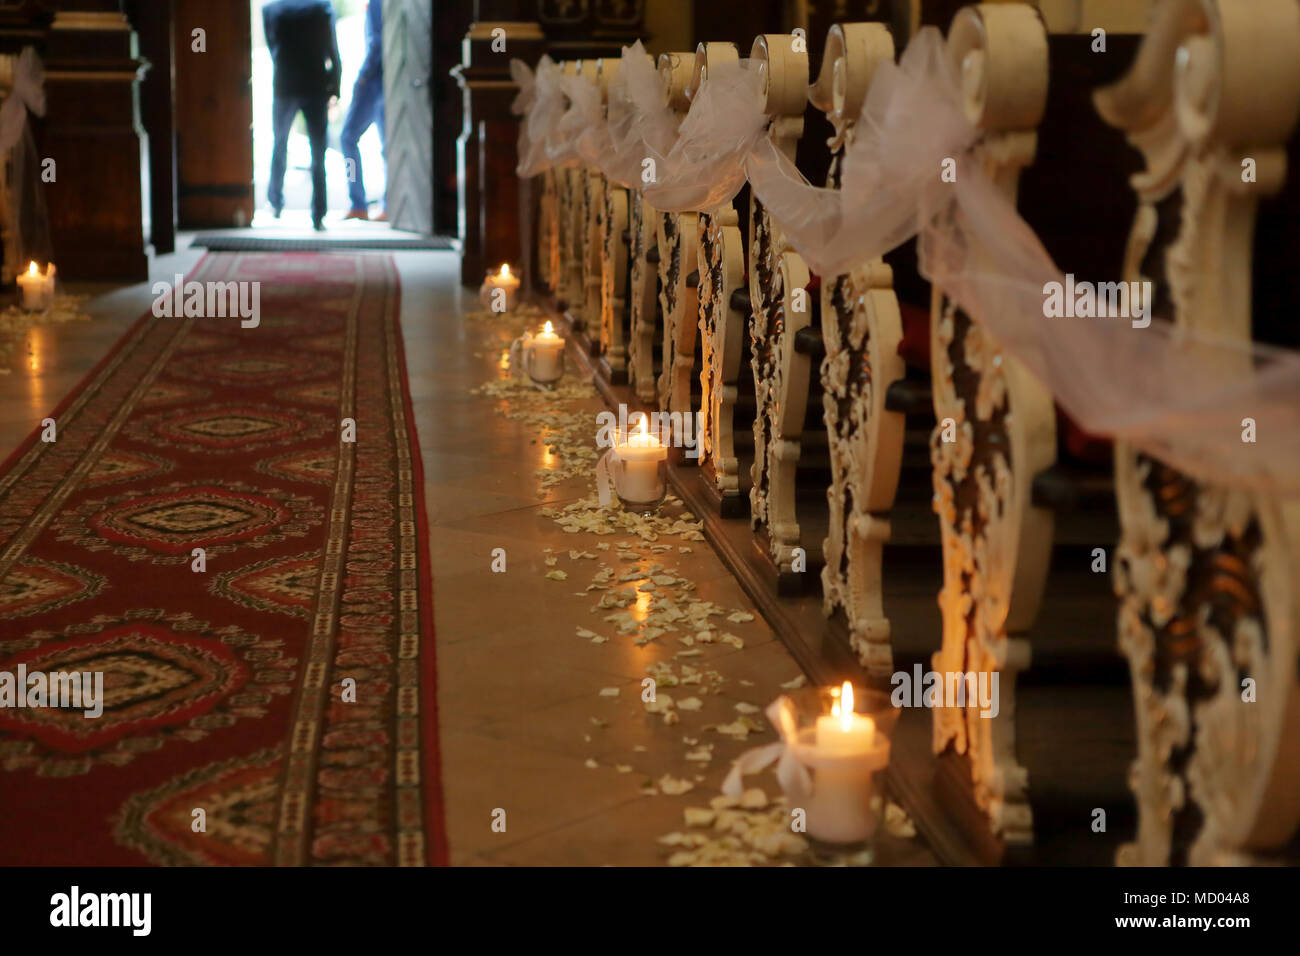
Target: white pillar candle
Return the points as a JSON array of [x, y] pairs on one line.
[[843, 733], [32, 286], [507, 298], [50, 273], [844, 752], [638, 478], [544, 356]]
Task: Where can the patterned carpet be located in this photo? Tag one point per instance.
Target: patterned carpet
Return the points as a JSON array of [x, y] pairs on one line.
[[224, 688]]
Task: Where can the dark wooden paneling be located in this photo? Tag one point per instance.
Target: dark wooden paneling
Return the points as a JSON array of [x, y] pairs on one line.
[[214, 114], [738, 23], [90, 131], [451, 20]]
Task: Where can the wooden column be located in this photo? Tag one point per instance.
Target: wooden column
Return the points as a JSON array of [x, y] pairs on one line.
[[152, 20], [91, 131], [489, 222]]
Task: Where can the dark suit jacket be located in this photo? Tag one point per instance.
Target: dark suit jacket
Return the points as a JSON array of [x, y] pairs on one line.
[[304, 48]]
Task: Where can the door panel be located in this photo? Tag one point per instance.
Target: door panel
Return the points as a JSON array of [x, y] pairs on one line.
[[408, 114], [214, 113]]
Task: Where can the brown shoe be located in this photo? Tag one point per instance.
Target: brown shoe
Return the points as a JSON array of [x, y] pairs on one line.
[[356, 214], [381, 216]]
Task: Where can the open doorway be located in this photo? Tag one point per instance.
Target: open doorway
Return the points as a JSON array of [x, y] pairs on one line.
[[350, 29]]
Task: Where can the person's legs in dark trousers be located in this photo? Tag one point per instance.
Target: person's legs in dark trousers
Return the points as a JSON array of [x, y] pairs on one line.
[[315, 112], [361, 113], [283, 110]]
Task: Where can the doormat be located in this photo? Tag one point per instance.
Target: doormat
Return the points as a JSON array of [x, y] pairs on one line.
[[218, 242]]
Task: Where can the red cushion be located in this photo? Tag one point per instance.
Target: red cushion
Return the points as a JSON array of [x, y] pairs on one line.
[[915, 346], [1081, 445]]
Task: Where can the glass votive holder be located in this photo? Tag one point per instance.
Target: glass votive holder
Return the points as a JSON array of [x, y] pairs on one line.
[[544, 360], [640, 476], [637, 470], [540, 357], [842, 752], [499, 291]]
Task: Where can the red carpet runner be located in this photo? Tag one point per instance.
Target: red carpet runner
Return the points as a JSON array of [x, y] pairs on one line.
[[223, 688]]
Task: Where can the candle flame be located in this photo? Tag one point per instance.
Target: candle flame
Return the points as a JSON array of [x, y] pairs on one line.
[[644, 430], [505, 271], [547, 329], [846, 707], [31, 269]]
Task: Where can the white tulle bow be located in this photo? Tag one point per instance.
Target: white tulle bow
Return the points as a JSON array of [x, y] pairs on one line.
[[27, 94], [1181, 395], [793, 776]]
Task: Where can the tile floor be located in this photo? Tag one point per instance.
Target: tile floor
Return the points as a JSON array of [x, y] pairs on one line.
[[518, 691]]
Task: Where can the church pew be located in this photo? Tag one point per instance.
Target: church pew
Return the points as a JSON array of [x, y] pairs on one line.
[[645, 355], [726, 397], [548, 232], [791, 467], [651, 261], [1055, 752], [1071, 648], [612, 240], [1019, 517], [572, 217], [1206, 574], [592, 228], [678, 239], [861, 333]]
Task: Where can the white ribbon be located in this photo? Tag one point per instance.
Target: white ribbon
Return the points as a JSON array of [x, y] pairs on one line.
[[27, 94], [581, 115], [541, 103], [603, 478], [725, 123], [1177, 394], [518, 355], [639, 123], [796, 782]]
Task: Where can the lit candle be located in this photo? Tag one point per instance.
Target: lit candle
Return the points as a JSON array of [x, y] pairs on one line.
[[843, 751], [844, 733], [503, 300], [637, 476], [33, 287], [544, 355]]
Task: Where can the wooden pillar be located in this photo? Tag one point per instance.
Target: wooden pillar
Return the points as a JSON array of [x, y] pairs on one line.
[[489, 222], [91, 131], [152, 20]]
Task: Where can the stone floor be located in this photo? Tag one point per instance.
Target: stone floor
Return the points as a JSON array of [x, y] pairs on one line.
[[524, 725]]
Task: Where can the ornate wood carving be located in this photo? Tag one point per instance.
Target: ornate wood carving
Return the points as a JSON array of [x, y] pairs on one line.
[[996, 545], [677, 246], [611, 246], [722, 332], [776, 274], [582, 288], [593, 226], [1207, 575], [678, 238], [548, 231], [565, 233], [614, 281], [643, 231], [720, 263], [861, 331]]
